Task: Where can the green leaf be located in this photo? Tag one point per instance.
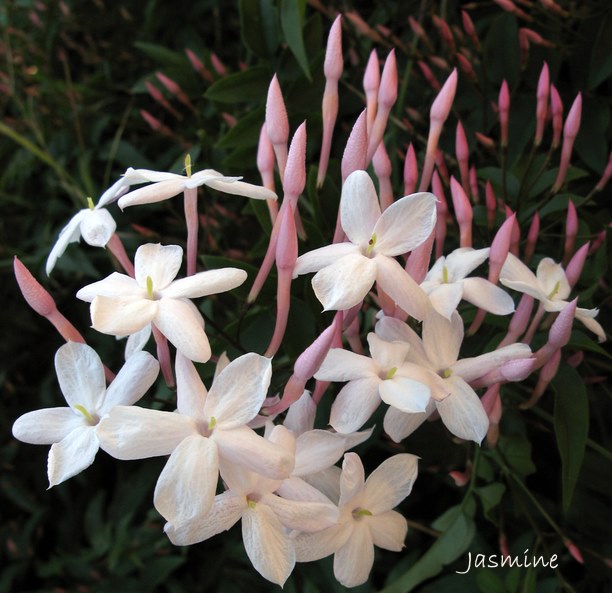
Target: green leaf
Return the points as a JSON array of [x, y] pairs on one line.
[[516, 448], [248, 85], [491, 496], [446, 549], [292, 16], [571, 426], [160, 54], [600, 65], [259, 26], [246, 132]]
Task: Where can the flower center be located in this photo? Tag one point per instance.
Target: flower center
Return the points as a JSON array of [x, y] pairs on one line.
[[445, 275], [391, 373], [371, 244], [150, 287], [90, 204], [446, 373], [358, 514], [188, 165], [82, 410], [212, 423], [554, 291]]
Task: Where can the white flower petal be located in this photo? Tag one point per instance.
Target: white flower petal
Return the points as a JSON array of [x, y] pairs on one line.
[[394, 330], [586, 317], [134, 176], [186, 487], [354, 405], [268, 547], [81, 375], [464, 260], [114, 192], [72, 455], [353, 561], [552, 279], [238, 393], [388, 530], [157, 192], [344, 365], [352, 480], [388, 355], [122, 316], [314, 546], [190, 390], [47, 426], [462, 411], [205, 283], [345, 283], [302, 515], [390, 483], [317, 450], [69, 234], [487, 296], [405, 224], [399, 425], [405, 394], [97, 227], [301, 415], [359, 208], [115, 285], [241, 188], [514, 270], [526, 288], [442, 339], [160, 263], [317, 259], [445, 297], [137, 341], [473, 368]]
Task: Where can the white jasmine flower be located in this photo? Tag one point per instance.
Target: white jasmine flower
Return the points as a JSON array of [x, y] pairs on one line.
[[73, 431], [347, 271], [446, 284], [121, 305]]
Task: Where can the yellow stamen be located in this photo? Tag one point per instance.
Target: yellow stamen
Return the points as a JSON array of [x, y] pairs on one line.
[[445, 275], [446, 373], [212, 423], [371, 244], [555, 290], [358, 513], [188, 165], [149, 287], [82, 410], [90, 204], [391, 373], [251, 503]]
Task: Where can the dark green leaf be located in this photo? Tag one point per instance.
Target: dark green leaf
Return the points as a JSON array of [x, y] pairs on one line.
[[292, 16], [160, 54], [600, 66], [516, 448], [490, 496], [259, 26], [246, 132], [248, 85], [571, 426], [489, 582]]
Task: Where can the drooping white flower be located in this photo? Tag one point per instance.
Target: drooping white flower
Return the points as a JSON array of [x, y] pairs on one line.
[[73, 431], [549, 285], [347, 271], [366, 518], [446, 284], [121, 305], [94, 224], [167, 185], [208, 429], [436, 357]]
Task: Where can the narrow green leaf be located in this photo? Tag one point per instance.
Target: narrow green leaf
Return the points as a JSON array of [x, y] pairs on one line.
[[246, 132], [249, 85], [491, 496], [600, 65], [292, 15], [160, 54], [259, 26], [571, 427]]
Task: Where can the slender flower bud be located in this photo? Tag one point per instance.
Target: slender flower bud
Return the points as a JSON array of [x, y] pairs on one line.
[[570, 131], [500, 247], [199, 66], [33, 292], [463, 213], [445, 33], [606, 175], [571, 231], [441, 214], [491, 402], [438, 114], [355, 152], [333, 71], [382, 169], [504, 112], [474, 191], [575, 265], [429, 76], [265, 165], [516, 233], [486, 141], [440, 63], [468, 27], [295, 181], [511, 371], [542, 103], [277, 124], [175, 89], [461, 478], [159, 98], [441, 166], [155, 124], [519, 321], [598, 241], [419, 32], [462, 152], [411, 171], [387, 95], [536, 38], [510, 7], [466, 67], [371, 84], [556, 108], [559, 333], [532, 238], [218, 66], [547, 374], [491, 204], [554, 7]]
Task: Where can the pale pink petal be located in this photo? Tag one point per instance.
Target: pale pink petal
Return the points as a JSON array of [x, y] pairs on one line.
[[394, 330], [301, 415], [178, 321], [160, 263], [97, 227], [134, 176], [345, 283], [48, 426], [315, 260], [399, 425], [435, 275], [526, 288], [268, 547], [464, 260], [442, 339], [400, 286], [131, 383], [472, 368], [388, 355], [246, 448], [81, 375], [344, 365], [130, 432], [302, 515], [186, 486], [586, 317], [390, 483], [157, 192], [552, 279], [205, 283], [426, 376], [353, 561], [136, 342], [446, 297], [405, 224], [327, 482], [317, 450], [314, 546], [294, 488], [405, 394], [388, 530], [122, 316], [352, 479], [190, 390], [487, 296], [69, 234], [359, 208], [115, 285], [241, 188], [224, 513], [74, 453], [514, 270], [354, 405], [462, 411], [237, 394]]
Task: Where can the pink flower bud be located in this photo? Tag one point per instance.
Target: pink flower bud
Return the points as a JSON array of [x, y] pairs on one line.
[[486, 141], [411, 171], [174, 89], [277, 124], [570, 131], [500, 247], [554, 7], [445, 32], [419, 32], [287, 244], [474, 185], [536, 38], [158, 97], [217, 64], [462, 152], [371, 84], [355, 152], [429, 76], [547, 373], [532, 238], [387, 95], [575, 265], [33, 292], [573, 550], [561, 329], [198, 66], [440, 63], [382, 169], [333, 64], [265, 158], [556, 108], [463, 213], [519, 321], [597, 242], [606, 175], [516, 234], [468, 27], [466, 67], [461, 478], [571, 231], [504, 112], [295, 179], [491, 204]]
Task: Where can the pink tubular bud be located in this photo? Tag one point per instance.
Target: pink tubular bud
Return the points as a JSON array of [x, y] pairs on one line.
[[462, 152], [217, 64], [504, 112], [500, 247], [445, 32], [570, 131], [510, 7], [333, 64], [277, 124], [461, 478], [33, 292], [468, 27], [287, 244], [411, 171], [597, 242], [158, 97], [439, 62], [419, 32], [371, 84], [554, 7], [520, 320], [474, 185], [295, 179], [536, 38], [575, 265], [463, 213], [561, 329], [493, 407], [265, 159], [387, 95], [491, 204], [355, 152], [573, 550], [516, 233], [441, 166], [309, 362], [606, 175], [571, 231], [429, 76], [542, 103], [547, 373], [198, 65], [556, 108], [466, 67], [486, 141], [382, 169], [510, 371], [532, 237]]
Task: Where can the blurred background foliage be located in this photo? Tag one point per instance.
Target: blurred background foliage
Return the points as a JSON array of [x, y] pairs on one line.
[[78, 87]]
